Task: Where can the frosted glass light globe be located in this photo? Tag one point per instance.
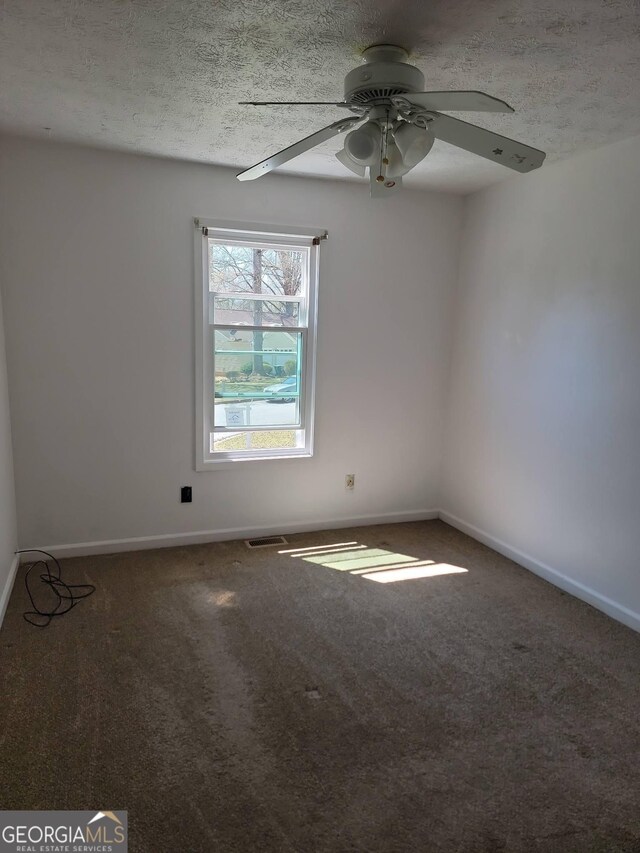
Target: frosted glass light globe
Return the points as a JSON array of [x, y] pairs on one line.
[[363, 144], [413, 142]]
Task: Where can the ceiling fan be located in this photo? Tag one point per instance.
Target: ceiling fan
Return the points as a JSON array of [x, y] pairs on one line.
[[395, 124]]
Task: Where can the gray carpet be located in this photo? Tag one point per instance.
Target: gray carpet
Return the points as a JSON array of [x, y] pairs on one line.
[[237, 700]]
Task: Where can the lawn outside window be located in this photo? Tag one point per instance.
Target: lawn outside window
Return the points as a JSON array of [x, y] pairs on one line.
[[256, 301]]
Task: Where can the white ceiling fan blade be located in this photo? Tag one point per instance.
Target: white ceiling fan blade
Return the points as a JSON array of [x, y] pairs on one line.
[[452, 101], [477, 140], [296, 103], [378, 189], [298, 148]]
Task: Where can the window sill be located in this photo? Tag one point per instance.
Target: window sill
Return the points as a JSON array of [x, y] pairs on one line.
[[216, 464]]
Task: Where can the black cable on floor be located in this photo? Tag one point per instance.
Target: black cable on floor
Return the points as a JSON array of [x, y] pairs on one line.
[[66, 593]]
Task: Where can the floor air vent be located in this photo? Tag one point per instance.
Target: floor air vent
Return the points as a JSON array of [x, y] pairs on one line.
[[265, 542]]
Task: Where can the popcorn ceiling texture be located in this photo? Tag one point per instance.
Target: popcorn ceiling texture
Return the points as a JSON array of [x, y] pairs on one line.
[[164, 76]]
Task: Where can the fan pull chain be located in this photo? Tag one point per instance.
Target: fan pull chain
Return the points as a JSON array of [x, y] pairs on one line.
[[380, 177], [384, 160]]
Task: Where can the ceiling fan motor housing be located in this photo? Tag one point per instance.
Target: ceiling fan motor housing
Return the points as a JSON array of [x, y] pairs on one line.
[[385, 73]]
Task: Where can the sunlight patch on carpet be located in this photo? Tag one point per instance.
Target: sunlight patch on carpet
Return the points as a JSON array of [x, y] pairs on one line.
[[374, 564], [411, 573]]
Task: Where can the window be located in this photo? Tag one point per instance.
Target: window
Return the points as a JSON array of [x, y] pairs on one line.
[[255, 343]]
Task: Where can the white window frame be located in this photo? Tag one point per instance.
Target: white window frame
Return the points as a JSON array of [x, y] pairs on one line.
[[265, 235]]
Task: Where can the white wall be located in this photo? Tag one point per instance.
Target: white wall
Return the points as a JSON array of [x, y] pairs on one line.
[[8, 532], [543, 447], [541, 459], [98, 259]]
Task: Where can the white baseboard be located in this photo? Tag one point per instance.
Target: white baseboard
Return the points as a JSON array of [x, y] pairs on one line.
[[112, 546], [172, 540], [5, 595], [600, 602]]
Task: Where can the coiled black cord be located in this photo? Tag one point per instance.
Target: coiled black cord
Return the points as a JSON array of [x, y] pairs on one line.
[[64, 592]]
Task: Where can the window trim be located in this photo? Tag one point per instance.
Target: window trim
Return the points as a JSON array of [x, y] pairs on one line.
[[246, 233]]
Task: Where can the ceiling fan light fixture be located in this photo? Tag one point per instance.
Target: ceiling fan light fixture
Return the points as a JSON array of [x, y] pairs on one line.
[[363, 144], [385, 93], [350, 164], [414, 143], [396, 167]]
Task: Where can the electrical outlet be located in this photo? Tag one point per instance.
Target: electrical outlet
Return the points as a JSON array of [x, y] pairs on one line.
[[349, 481], [185, 494]]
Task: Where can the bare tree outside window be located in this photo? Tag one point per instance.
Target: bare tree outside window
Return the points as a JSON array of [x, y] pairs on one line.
[[238, 270], [233, 270], [258, 338]]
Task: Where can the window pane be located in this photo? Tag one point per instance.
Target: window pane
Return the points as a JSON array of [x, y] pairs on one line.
[[268, 440], [257, 378], [255, 312], [244, 269]]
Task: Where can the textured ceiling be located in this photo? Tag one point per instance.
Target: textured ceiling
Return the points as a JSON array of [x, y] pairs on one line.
[[164, 76]]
